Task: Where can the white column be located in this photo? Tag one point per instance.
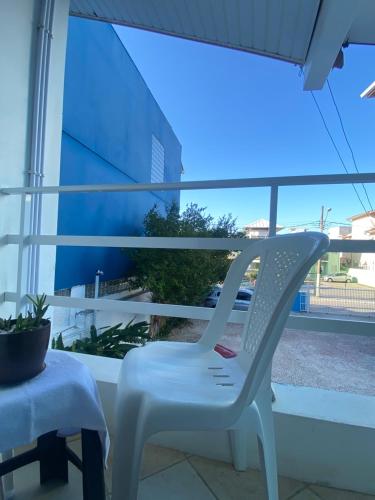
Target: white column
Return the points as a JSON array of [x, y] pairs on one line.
[[18, 34]]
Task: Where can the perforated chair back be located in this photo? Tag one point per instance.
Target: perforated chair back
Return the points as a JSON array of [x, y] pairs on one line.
[[284, 264]]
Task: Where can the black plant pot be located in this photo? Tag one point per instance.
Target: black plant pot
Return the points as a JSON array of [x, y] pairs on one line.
[[22, 354]]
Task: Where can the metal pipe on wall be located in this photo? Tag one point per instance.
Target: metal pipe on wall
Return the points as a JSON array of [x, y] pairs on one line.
[[34, 176]]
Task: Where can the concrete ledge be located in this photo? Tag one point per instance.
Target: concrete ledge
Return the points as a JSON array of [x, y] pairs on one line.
[[321, 404]]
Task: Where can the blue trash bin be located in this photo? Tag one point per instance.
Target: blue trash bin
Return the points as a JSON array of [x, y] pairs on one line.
[[301, 302]]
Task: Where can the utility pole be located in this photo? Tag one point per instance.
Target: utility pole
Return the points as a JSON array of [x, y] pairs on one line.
[[98, 274], [322, 224]]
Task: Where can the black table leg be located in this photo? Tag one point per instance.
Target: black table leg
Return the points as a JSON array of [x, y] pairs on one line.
[[53, 458], [52, 453], [92, 466]]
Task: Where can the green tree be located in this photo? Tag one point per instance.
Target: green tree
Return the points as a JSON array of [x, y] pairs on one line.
[[181, 276]]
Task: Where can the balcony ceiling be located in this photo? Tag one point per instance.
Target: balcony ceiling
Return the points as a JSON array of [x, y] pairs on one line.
[[309, 33]]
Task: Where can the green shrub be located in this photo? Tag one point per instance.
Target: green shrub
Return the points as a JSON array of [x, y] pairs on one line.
[[176, 276], [113, 342]]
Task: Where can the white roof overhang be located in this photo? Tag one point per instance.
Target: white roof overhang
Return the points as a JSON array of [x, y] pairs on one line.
[[309, 33], [369, 91]]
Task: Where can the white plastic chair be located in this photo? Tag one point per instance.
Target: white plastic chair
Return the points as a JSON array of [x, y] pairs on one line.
[[169, 386]]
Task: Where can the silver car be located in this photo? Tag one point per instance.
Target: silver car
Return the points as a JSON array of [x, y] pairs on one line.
[[341, 277], [241, 302]]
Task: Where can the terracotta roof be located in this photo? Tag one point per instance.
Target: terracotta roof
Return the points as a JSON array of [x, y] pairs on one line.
[[370, 213]]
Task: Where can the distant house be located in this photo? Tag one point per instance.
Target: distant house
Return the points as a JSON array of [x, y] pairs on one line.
[[114, 132], [363, 228], [362, 224], [259, 229], [339, 232], [346, 259]]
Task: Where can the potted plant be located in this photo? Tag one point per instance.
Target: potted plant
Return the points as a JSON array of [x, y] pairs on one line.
[[24, 343]]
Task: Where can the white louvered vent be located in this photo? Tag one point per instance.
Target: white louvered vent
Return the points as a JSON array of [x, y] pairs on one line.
[[157, 161]]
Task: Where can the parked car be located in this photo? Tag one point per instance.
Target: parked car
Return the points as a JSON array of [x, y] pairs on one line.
[[241, 302], [341, 277]]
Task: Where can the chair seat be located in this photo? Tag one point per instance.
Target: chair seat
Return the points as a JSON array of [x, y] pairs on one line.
[[207, 378], [183, 349]]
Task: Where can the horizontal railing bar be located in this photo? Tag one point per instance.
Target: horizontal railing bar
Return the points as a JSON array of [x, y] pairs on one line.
[[136, 242], [132, 307], [297, 180], [331, 325], [295, 321], [363, 246]]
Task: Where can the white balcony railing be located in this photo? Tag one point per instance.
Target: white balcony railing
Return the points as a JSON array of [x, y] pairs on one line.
[[26, 241]]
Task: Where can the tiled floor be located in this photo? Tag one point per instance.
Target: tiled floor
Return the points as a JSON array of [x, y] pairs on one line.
[[171, 475]]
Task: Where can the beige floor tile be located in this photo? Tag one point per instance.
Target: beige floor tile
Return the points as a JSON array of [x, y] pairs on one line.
[[76, 446], [73, 437], [155, 459], [228, 484], [22, 449], [334, 494], [26, 481], [179, 482], [306, 494]]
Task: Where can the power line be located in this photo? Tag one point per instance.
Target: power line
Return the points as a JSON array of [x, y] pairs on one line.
[[347, 140], [316, 223], [336, 148], [339, 223]]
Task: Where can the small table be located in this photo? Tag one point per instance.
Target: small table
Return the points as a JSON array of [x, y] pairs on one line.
[[60, 401]]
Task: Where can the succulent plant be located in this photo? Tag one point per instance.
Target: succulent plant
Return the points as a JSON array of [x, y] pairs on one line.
[[27, 321], [6, 324]]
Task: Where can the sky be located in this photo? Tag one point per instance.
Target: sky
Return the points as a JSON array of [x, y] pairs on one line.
[[241, 115]]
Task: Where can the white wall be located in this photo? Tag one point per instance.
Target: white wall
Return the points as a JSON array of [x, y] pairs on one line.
[[336, 233], [16, 53], [361, 226], [75, 323], [364, 276], [18, 30]]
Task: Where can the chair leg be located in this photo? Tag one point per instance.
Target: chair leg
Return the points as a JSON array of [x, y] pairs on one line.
[[269, 469], [128, 451], [238, 443], [267, 448]]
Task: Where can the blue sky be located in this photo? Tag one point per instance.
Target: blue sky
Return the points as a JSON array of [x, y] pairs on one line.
[[240, 115]]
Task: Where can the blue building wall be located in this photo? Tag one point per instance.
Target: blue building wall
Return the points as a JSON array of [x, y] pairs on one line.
[[109, 118]]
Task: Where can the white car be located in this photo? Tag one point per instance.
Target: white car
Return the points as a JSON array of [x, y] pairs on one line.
[[341, 277], [241, 302]]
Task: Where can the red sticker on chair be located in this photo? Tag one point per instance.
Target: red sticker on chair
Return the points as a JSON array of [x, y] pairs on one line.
[[224, 351]]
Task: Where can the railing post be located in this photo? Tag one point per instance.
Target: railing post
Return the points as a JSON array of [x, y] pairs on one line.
[[273, 211]]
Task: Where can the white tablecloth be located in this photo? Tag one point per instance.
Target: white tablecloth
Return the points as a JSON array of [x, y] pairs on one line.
[[63, 397]]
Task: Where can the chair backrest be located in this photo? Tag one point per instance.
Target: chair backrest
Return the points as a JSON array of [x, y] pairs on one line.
[[284, 264]]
